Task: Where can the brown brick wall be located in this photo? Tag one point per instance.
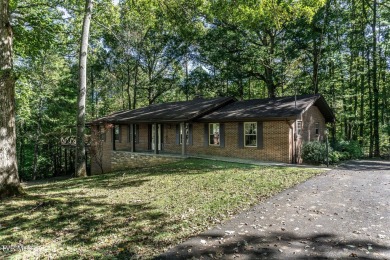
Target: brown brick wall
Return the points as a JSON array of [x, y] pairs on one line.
[[124, 144], [106, 148], [169, 142], [278, 143], [309, 118]]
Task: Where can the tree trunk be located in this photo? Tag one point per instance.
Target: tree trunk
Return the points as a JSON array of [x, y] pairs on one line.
[[269, 70], [316, 58], [9, 178], [374, 82], [80, 159], [371, 140], [93, 109], [135, 89], [317, 49], [35, 160], [361, 124], [186, 80], [128, 87]]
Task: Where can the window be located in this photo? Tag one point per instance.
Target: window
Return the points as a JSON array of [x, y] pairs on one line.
[[102, 132], [317, 128], [250, 134], [116, 132], [186, 131], [299, 127], [214, 134], [136, 133]]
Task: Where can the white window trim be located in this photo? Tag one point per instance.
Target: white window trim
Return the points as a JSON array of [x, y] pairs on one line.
[[219, 133], [247, 123]]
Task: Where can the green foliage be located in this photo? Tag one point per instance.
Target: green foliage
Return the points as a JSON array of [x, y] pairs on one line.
[[314, 152], [150, 51], [349, 149], [337, 156], [269, 14]]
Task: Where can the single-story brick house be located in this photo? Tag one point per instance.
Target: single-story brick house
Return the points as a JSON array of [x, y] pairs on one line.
[[271, 129]]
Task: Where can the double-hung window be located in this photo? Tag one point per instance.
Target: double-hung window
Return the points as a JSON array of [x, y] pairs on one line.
[[135, 133], [214, 134], [250, 134], [117, 132], [317, 128]]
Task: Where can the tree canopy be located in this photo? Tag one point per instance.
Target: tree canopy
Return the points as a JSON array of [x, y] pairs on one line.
[[147, 51]]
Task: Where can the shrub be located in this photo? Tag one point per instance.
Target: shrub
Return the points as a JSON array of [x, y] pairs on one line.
[[350, 149], [315, 152], [337, 156], [385, 151]]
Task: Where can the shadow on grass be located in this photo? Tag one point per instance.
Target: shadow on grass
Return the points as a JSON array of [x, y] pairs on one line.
[[139, 175], [275, 245], [68, 213], [80, 221]]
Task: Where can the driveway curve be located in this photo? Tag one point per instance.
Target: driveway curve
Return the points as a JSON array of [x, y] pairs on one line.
[[343, 213]]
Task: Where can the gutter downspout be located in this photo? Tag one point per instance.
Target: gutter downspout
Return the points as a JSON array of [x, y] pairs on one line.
[[113, 138]]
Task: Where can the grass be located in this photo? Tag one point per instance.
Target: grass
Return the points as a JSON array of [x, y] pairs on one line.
[[136, 213]]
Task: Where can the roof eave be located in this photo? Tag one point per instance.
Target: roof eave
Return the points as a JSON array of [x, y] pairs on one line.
[[328, 113], [247, 119]]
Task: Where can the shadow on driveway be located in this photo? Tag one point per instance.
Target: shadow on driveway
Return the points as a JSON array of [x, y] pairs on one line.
[[343, 213], [276, 245], [366, 165]]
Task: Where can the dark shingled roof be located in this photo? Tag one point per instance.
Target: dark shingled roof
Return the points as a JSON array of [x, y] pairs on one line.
[[270, 109], [167, 112], [222, 109]]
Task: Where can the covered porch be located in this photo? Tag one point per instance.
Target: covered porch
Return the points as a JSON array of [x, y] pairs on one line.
[[165, 138]]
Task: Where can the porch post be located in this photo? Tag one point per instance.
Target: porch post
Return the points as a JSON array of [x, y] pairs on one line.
[[132, 138], [184, 139], [155, 138], [113, 138]]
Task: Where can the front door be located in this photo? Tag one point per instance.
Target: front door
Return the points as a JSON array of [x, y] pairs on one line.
[[158, 136]]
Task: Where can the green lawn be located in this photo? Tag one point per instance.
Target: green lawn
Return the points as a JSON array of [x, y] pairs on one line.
[[135, 213]]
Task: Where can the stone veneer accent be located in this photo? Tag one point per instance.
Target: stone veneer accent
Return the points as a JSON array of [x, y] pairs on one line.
[[122, 160]]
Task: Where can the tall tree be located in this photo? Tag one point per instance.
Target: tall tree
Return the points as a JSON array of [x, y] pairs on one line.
[[261, 27], [80, 144], [374, 78], [9, 179]]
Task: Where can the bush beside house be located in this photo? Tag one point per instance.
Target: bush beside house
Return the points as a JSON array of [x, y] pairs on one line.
[[315, 152]]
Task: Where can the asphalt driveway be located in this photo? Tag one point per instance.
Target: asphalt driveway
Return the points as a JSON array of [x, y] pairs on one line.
[[343, 213]]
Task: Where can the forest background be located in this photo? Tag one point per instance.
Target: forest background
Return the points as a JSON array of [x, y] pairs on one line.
[[143, 52]]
